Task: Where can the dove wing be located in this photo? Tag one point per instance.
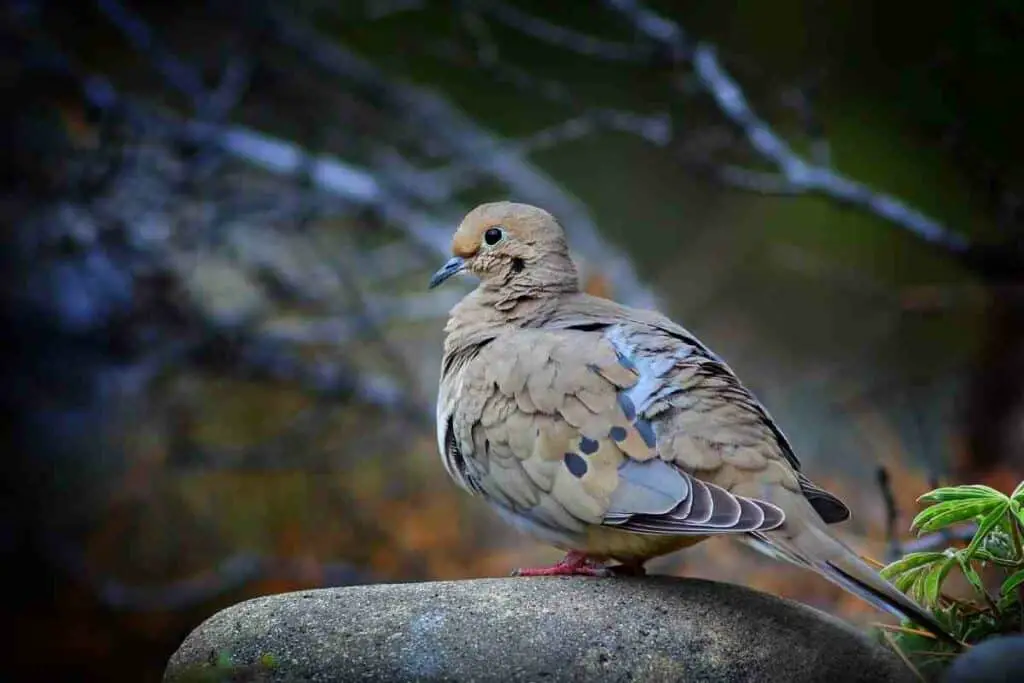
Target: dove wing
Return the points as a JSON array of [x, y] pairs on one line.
[[549, 425], [708, 423]]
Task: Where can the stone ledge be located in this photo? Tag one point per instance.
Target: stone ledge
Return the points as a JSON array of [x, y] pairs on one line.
[[536, 629]]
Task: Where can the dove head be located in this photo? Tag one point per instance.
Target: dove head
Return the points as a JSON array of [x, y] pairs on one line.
[[513, 248]]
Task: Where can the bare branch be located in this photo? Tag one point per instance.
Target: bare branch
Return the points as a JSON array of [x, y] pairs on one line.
[[800, 176], [469, 143], [761, 182], [807, 177], [559, 36], [179, 75], [234, 82], [793, 174], [487, 57]]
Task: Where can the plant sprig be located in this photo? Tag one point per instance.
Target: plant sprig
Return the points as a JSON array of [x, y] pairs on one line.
[[996, 545]]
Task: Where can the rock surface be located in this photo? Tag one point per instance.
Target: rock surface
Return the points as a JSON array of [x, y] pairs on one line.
[[999, 660], [537, 629]]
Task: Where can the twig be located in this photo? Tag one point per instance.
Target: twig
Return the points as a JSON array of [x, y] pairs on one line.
[[560, 36], [895, 548], [904, 629], [234, 81], [177, 73]]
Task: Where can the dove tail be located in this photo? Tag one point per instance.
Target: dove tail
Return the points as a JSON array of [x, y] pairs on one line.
[[816, 549]]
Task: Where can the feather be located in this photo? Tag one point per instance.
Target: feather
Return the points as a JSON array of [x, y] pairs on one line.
[[652, 487]]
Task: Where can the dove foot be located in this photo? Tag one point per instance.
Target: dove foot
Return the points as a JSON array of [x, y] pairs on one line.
[[573, 564]]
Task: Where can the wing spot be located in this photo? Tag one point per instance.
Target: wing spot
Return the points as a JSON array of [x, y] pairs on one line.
[[588, 446], [618, 434], [576, 465]]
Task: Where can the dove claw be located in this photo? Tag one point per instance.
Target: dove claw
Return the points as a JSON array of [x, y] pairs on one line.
[[573, 564]]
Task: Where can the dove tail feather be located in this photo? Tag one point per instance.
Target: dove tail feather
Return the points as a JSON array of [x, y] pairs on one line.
[[815, 549]]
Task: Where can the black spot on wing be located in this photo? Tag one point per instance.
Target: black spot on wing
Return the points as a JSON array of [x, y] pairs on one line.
[[588, 446], [618, 434], [576, 465]]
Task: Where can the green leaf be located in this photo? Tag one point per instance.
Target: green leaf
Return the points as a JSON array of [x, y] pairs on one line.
[[926, 515], [905, 581], [1018, 493], [986, 525], [1012, 582], [908, 562], [932, 581], [916, 591], [944, 514], [970, 573], [1007, 602], [966, 492], [1016, 513]]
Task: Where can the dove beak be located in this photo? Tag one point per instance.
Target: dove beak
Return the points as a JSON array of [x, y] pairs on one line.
[[455, 265]]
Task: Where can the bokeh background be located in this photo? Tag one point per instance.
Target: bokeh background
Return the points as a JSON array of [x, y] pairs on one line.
[[219, 219]]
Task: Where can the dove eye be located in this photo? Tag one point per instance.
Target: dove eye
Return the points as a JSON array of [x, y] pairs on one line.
[[493, 236]]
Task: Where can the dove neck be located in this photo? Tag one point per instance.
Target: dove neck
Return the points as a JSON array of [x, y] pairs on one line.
[[524, 299], [483, 313], [549, 276]]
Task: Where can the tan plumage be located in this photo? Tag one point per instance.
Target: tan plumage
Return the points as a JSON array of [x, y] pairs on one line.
[[612, 432]]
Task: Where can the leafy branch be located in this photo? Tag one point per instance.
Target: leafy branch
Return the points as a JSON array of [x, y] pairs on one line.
[[994, 550]]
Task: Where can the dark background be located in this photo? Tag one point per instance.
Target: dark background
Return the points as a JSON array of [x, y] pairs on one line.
[[220, 356]]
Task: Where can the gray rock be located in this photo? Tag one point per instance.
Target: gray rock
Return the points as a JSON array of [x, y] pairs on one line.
[[535, 629], [998, 660]]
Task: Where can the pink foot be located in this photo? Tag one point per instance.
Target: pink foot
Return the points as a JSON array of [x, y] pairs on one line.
[[578, 564]]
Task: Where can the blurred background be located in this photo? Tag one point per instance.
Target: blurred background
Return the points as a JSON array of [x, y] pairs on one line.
[[219, 219]]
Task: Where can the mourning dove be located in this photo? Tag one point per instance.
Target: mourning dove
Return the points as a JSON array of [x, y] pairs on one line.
[[612, 432]]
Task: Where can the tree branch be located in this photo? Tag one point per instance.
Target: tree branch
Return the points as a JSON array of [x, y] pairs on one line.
[[796, 175]]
